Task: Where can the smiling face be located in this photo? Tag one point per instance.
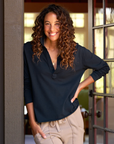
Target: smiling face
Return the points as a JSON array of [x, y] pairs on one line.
[[51, 27]]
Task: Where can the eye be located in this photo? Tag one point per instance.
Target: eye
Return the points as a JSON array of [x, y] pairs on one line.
[[47, 23], [58, 24]]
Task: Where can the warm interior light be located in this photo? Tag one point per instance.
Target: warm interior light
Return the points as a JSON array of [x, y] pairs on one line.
[[29, 19], [78, 19], [79, 37], [29, 22], [99, 19], [25, 110]]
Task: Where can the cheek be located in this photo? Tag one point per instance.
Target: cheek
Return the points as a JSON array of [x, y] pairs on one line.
[[46, 28], [58, 28]]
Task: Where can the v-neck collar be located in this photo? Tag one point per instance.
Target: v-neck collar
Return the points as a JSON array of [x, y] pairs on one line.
[[49, 61]]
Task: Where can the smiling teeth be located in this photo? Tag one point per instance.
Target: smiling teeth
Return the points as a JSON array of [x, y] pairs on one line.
[[53, 34]]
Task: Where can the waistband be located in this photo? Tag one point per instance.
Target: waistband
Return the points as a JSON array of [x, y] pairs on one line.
[[57, 123]]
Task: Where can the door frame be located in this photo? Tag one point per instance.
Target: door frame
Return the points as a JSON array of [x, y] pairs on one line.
[[1, 74], [91, 28], [11, 72], [90, 24]]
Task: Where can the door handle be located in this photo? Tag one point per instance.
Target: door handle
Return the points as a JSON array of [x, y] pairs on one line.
[[86, 114], [99, 114], [91, 93]]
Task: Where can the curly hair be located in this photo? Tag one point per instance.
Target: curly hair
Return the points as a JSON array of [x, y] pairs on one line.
[[66, 44]]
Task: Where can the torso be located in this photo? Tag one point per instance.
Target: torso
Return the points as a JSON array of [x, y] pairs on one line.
[[53, 55]]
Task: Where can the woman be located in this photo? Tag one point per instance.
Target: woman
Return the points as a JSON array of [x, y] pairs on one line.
[[53, 66]]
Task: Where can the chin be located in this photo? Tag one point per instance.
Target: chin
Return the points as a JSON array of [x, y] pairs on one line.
[[53, 39]]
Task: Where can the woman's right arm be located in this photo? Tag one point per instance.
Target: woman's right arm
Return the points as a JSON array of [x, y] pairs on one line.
[[29, 99], [34, 125]]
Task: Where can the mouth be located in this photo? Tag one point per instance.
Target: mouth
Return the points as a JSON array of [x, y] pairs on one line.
[[52, 34]]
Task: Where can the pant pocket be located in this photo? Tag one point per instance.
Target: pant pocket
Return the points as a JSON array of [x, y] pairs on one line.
[[44, 126], [37, 138], [45, 129]]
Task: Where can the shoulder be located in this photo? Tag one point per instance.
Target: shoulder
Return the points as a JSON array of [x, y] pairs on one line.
[[27, 46], [81, 49]]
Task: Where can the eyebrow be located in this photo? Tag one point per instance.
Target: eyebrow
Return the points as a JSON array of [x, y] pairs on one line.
[[49, 21]]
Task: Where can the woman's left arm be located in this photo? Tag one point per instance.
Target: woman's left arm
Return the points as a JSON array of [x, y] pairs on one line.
[[91, 61], [82, 85]]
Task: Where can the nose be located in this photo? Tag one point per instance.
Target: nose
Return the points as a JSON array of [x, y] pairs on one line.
[[52, 27]]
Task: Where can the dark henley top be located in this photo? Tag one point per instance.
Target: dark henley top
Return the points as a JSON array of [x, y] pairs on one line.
[[51, 90]]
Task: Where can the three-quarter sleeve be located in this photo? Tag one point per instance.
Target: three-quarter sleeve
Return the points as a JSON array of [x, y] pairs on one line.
[[27, 82], [100, 67]]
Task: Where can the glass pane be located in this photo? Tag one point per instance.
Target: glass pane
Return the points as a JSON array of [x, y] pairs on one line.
[[98, 12], [78, 19], [109, 46], [99, 86], [98, 47], [110, 110], [110, 79], [99, 138], [98, 107], [109, 11], [110, 138]]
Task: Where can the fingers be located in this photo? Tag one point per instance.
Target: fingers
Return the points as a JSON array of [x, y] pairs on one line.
[[36, 130], [75, 95], [73, 99], [42, 134]]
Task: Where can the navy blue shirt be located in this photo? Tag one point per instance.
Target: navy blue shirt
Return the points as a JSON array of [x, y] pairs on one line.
[[51, 90]]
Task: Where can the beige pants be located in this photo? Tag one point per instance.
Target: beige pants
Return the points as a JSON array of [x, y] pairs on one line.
[[69, 130]]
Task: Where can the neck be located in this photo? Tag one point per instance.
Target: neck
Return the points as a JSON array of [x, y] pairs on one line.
[[50, 45]]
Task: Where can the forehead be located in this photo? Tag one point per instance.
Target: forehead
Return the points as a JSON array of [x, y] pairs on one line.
[[50, 16]]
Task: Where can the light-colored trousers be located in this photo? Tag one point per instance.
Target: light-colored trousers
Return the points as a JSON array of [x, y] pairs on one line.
[[69, 130]]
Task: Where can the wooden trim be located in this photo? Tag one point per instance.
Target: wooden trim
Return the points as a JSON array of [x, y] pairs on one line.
[[1, 71], [71, 7], [13, 72]]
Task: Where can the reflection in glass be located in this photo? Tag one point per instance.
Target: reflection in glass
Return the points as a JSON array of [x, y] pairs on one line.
[[110, 79], [98, 46], [99, 137], [109, 12], [110, 138], [98, 12], [111, 113], [99, 106], [109, 46]]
